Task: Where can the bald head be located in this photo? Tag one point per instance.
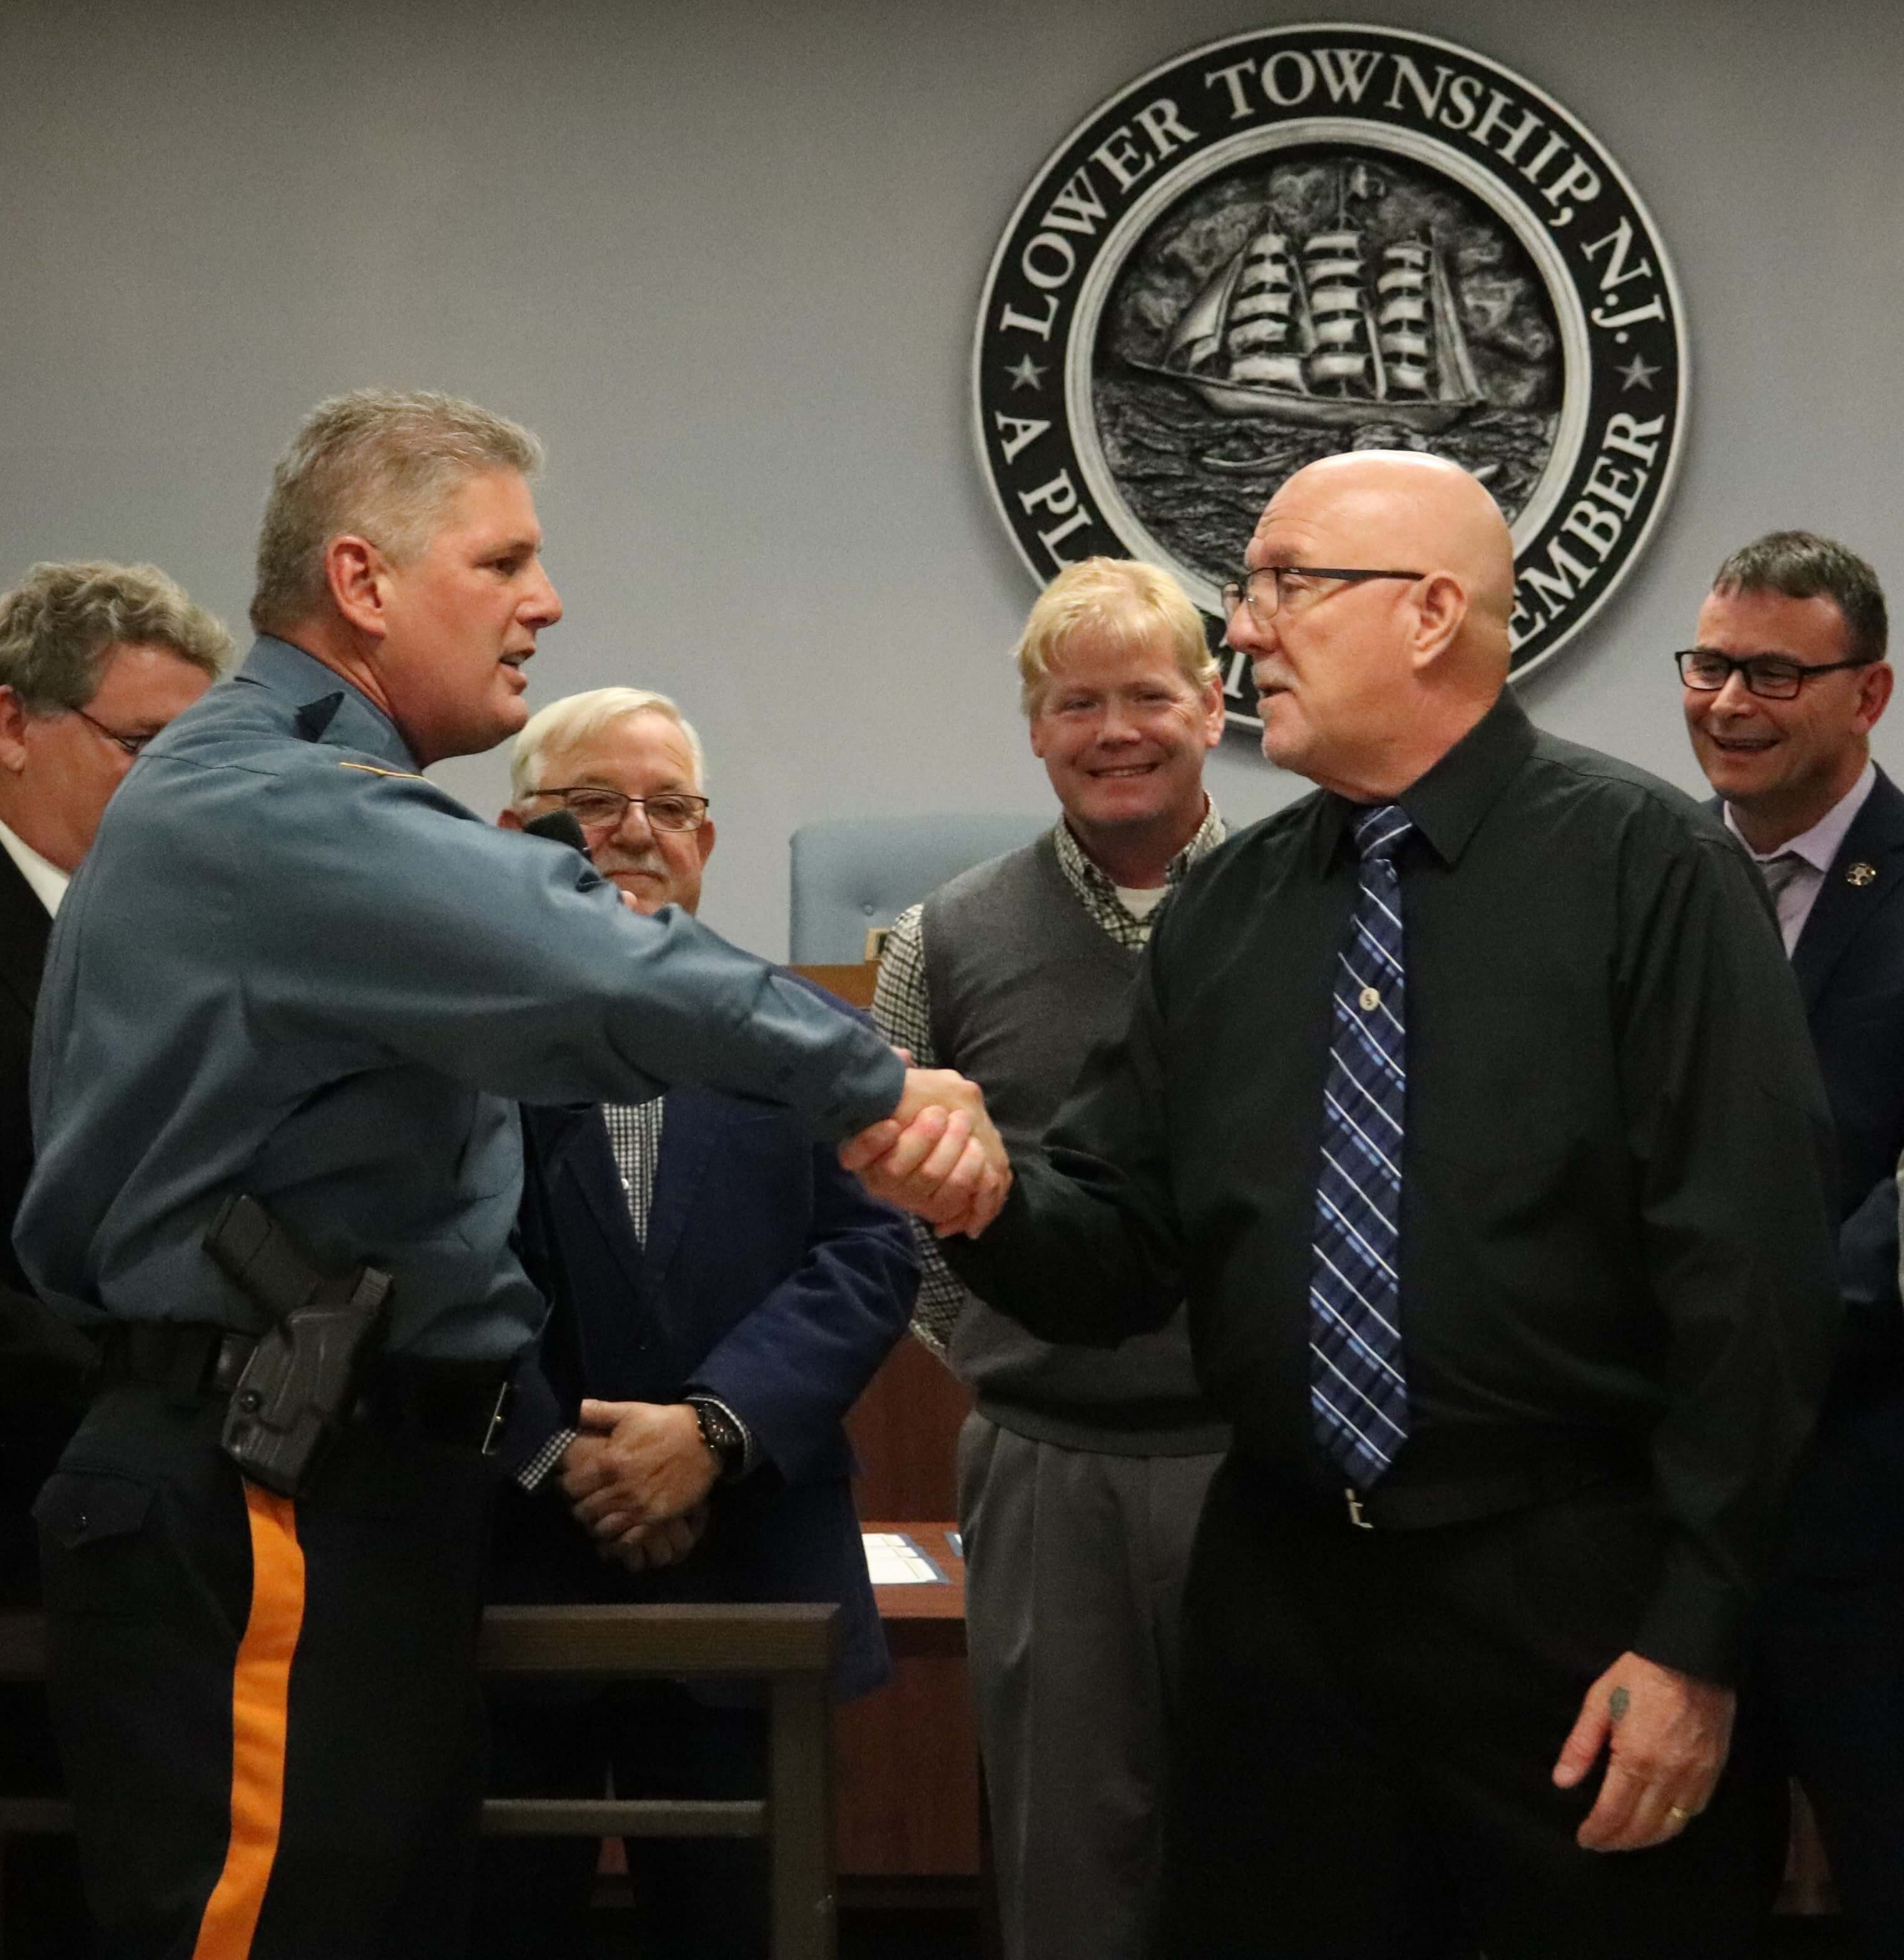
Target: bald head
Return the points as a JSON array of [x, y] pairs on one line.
[[1366, 683], [1425, 512]]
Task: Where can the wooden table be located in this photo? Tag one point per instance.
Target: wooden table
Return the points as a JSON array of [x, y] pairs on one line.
[[906, 1757], [925, 1618]]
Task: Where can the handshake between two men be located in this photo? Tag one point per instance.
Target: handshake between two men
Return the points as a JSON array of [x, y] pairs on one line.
[[939, 1155]]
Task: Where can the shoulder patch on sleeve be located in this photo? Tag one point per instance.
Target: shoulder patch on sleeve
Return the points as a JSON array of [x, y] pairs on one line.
[[371, 769]]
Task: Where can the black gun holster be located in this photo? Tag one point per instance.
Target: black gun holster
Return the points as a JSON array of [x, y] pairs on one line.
[[301, 1380]]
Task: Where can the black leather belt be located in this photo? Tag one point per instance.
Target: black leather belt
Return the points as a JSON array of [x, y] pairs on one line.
[[1466, 1500], [1453, 1499], [459, 1403]]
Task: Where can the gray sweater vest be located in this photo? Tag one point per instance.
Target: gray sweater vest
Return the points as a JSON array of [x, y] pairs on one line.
[[1023, 982]]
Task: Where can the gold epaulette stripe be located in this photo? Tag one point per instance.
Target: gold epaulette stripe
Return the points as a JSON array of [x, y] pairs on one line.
[[371, 769]]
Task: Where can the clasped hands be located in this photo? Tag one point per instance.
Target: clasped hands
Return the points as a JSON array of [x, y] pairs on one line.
[[638, 1479], [937, 1156]]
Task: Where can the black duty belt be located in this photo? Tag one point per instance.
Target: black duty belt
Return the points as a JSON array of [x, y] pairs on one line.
[[459, 1404]]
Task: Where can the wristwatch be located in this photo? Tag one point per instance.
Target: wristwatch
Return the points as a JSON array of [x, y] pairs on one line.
[[722, 1433]]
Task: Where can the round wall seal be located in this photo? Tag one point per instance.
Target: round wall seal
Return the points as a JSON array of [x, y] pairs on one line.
[[1307, 240]]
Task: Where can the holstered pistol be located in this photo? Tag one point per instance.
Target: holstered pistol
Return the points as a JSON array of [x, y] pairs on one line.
[[301, 1379]]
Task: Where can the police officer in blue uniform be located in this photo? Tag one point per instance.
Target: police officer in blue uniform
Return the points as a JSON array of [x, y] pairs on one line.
[[293, 970]]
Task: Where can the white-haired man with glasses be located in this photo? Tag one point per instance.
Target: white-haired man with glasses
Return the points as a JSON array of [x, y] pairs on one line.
[[1781, 691], [629, 768], [722, 1292]]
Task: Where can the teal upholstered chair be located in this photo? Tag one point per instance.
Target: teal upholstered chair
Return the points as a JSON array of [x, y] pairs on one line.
[[852, 874]]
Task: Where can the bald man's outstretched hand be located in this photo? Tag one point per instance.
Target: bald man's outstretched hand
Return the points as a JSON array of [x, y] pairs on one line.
[[937, 1156]]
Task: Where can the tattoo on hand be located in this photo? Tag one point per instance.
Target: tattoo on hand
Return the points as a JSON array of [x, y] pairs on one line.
[[1617, 1703]]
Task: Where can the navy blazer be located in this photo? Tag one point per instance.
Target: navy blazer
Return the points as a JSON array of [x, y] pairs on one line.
[[1849, 963], [770, 1280]]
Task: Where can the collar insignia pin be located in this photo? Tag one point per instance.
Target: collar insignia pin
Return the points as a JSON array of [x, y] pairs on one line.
[[1860, 873]]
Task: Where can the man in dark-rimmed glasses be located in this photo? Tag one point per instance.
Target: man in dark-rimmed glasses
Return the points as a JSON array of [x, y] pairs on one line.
[[1468, 1102], [1781, 690]]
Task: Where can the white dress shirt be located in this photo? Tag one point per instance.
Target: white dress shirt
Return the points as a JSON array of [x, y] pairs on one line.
[[48, 881]]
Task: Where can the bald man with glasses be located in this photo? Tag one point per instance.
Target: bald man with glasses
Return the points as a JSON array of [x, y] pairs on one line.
[[1468, 1103], [1782, 692]]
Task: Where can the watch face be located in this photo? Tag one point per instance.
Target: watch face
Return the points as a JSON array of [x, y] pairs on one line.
[[718, 1432]]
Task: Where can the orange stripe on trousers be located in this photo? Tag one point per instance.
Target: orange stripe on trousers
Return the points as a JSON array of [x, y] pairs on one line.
[[260, 1701]]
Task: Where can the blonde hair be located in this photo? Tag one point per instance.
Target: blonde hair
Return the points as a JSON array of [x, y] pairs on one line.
[[60, 623], [576, 717], [1119, 599], [382, 464]]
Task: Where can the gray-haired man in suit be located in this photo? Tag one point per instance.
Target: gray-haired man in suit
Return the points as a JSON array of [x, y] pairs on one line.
[[94, 659]]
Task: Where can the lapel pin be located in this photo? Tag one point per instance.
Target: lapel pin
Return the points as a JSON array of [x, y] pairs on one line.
[[1860, 873]]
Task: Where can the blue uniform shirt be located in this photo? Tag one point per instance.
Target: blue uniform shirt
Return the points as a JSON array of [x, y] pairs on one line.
[[291, 966]]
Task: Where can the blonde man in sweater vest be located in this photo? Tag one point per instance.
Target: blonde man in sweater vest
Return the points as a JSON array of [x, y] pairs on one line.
[[1081, 1471]]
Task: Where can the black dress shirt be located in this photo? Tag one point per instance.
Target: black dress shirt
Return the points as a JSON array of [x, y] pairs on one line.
[[1615, 1233]]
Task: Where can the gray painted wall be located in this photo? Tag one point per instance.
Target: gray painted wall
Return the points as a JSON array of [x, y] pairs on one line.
[[724, 257]]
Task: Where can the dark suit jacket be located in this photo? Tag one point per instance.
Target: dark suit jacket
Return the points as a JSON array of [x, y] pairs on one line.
[[42, 1360], [1849, 962], [769, 1279]]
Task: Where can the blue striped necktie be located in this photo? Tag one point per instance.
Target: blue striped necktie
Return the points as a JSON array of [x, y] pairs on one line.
[[1357, 1389]]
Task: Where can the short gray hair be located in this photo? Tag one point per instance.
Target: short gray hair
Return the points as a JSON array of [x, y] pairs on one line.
[[60, 624], [382, 464], [576, 717]]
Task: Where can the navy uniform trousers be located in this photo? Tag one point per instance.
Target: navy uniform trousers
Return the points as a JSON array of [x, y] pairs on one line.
[[268, 1710]]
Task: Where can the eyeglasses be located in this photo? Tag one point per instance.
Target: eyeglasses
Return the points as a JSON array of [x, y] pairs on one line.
[[1771, 676], [133, 745], [1262, 590], [603, 809]]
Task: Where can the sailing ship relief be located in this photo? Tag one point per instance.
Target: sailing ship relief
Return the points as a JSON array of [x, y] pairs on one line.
[[1303, 333]]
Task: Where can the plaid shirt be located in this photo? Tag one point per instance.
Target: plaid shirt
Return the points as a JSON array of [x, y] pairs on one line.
[[635, 1131], [902, 1009]]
